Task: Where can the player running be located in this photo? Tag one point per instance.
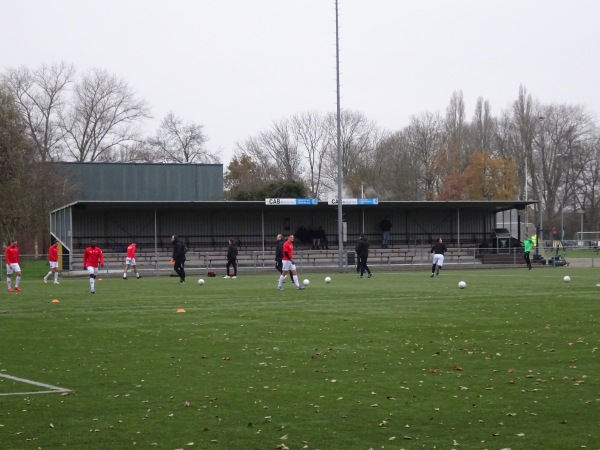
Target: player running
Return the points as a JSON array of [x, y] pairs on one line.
[[438, 250]]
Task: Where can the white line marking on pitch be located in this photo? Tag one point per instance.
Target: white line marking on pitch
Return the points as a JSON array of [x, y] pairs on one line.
[[53, 389]]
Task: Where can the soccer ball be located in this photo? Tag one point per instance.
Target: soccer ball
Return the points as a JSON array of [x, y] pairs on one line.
[[327, 279], [462, 284], [200, 281], [567, 278], [306, 282]]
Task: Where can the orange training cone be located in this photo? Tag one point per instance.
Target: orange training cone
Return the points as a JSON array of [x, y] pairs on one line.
[[181, 310], [55, 300]]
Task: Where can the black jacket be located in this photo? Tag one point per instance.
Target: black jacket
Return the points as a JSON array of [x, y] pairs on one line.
[[232, 252], [178, 251], [362, 248], [279, 250], [439, 248]]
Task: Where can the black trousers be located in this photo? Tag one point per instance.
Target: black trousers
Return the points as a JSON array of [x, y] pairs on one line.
[[231, 263], [362, 264], [527, 259], [178, 268], [279, 265]]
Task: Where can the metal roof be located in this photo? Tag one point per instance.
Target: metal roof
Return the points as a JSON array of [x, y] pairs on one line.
[[494, 205]]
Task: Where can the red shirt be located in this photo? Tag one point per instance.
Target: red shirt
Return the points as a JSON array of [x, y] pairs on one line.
[[288, 250], [92, 256], [131, 251], [53, 254], [12, 254]]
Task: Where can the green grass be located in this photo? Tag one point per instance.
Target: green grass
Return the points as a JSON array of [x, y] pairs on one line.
[[399, 361]]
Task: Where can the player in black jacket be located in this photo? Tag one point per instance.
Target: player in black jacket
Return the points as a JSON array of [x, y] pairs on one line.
[[279, 253], [178, 258], [362, 253], [438, 250], [232, 253]]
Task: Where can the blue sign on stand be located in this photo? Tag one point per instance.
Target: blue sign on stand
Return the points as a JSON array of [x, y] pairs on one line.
[[355, 201], [291, 201]]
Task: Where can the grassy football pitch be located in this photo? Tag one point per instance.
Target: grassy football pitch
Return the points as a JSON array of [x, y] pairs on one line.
[[398, 361]]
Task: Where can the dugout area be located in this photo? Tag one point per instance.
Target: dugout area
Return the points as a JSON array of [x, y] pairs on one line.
[[207, 225]]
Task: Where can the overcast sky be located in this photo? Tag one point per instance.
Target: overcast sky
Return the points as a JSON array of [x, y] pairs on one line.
[[236, 66]]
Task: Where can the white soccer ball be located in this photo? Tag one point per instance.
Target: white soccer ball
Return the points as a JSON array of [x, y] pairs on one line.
[[567, 278], [327, 279], [200, 281], [306, 282], [462, 284]]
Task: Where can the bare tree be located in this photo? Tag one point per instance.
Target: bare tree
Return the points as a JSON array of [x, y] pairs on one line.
[[40, 96], [583, 177], [392, 173], [29, 188], [425, 138], [133, 152], [280, 144], [452, 158], [276, 148], [251, 151], [15, 155], [310, 134], [359, 138], [104, 116], [482, 127], [180, 142]]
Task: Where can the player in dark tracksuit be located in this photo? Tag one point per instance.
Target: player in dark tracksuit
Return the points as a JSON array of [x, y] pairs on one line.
[[362, 253], [232, 254], [279, 253], [179, 258]]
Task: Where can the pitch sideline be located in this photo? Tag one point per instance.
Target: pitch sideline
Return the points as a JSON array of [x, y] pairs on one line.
[[53, 389]]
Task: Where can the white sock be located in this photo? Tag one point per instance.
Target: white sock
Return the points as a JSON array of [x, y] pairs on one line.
[[47, 275], [92, 282], [17, 281], [55, 276], [8, 281], [295, 279], [281, 277]]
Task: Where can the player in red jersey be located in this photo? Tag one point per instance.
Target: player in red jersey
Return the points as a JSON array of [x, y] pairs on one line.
[[92, 257], [288, 265], [12, 266], [130, 261], [53, 261]]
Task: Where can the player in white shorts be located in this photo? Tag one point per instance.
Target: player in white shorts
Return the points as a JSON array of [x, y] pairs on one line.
[[438, 250], [288, 265], [53, 261], [12, 266], [130, 261]]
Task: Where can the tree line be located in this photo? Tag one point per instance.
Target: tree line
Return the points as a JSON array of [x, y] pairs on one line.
[[530, 151]]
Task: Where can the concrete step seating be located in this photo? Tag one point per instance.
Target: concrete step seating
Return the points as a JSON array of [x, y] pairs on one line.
[[503, 258], [251, 258]]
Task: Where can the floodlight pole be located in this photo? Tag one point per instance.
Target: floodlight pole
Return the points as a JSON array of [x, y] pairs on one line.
[[339, 146], [540, 238]]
